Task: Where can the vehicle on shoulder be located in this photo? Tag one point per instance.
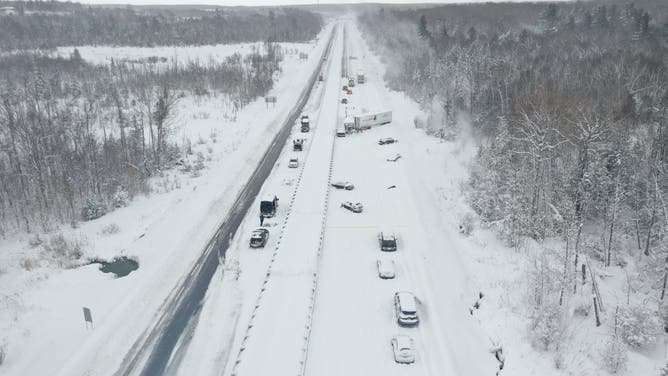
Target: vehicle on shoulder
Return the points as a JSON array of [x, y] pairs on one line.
[[388, 242], [405, 307], [348, 186], [259, 237], [403, 349], [387, 141], [351, 82], [354, 207], [345, 87], [340, 132], [344, 101], [293, 163], [386, 269]]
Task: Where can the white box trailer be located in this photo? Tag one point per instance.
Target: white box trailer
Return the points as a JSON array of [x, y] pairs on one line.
[[361, 122], [369, 120]]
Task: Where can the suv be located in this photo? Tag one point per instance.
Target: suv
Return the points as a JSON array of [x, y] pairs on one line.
[[259, 238], [388, 243], [406, 308]]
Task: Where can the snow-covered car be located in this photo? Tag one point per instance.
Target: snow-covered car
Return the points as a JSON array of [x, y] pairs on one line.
[[354, 207], [386, 268], [259, 237], [349, 91], [406, 308], [386, 141], [404, 351], [293, 163], [340, 132], [388, 242], [348, 186]]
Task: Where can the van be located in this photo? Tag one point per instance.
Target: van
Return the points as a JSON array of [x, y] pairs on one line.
[[406, 308]]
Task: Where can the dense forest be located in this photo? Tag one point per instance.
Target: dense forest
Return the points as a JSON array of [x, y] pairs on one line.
[[52, 24], [78, 139], [569, 102]]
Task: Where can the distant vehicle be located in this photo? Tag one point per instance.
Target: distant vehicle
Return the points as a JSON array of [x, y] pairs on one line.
[[344, 101], [305, 123], [349, 91], [354, 207], [259, 238], [298, 144], [385, 268], [348, 186], [395, 158], [388, 243], [403, 348], [293, 163], [321, 77], [268, 207], [351, 82], [387, 141], [406, 309], [340, 132], [345, 87], [360, 77]]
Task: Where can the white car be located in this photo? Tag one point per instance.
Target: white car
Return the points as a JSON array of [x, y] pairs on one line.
[[340, 132], [294, 163], [404, 351], [354, 207], [385, 268]]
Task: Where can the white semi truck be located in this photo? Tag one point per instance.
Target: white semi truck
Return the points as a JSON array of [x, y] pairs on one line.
[[366, 121]]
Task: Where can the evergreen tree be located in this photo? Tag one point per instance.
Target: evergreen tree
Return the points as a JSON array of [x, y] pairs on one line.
[[644, 23], [422, 28]]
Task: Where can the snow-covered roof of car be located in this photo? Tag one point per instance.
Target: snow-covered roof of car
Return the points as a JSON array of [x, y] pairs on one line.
[[407, 301], [403, 341], [259, 232], [386, 265]]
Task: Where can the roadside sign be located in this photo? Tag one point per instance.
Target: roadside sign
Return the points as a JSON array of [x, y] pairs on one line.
[[88, 317]]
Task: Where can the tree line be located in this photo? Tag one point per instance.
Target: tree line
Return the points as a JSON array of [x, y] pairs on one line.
[[46, 25], [570, 103], [77, 139]]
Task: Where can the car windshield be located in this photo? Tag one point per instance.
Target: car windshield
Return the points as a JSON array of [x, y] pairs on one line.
[[388, 243]]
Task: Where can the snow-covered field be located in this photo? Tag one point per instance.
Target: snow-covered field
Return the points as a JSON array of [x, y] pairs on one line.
[[161, 56], [41, 321]]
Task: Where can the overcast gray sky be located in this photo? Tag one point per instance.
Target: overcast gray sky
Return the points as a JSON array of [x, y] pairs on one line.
[[281, 2]]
